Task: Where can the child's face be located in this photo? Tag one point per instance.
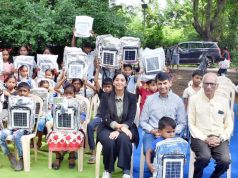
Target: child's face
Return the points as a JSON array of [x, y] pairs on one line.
[[46, 51], [107, 88], [5, 55], [24, 72], [153, 87], [87, 50], [68, 93], [11, 83], [48, 74], [197, 79], [23, 91], [45, 85], [167, 132], [128, 71], [23, 51], [77, 84]]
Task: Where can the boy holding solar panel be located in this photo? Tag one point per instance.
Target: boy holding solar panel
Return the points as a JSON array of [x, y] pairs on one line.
[[15, 131]]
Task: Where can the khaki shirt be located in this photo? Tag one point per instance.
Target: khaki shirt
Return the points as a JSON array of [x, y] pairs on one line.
[[209, 117]]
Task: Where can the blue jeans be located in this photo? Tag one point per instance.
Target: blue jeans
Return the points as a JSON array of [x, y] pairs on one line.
[[41, 124], [148, 138], [16, 138], [90, 131]]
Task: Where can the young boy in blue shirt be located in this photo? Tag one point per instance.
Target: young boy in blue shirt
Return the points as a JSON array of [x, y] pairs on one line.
[[166, 130]]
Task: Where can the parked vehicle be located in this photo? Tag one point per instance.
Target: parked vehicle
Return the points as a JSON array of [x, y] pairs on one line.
[[191, 52]]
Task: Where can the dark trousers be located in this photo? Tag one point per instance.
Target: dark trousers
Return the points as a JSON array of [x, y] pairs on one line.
[[121, 148], [90, 131], [203, 155]]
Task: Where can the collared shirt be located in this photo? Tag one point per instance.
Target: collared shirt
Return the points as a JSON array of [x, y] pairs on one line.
[[209, 117], [119, 110], [157, 106], [119, 106]]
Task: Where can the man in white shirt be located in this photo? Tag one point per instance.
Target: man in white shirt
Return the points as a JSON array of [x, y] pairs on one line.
[[210, 124]]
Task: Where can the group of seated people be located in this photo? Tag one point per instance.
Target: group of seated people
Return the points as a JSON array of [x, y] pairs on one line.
[[163, 114]]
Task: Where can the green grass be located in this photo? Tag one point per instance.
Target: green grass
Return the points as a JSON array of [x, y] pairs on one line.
[[40, 169]]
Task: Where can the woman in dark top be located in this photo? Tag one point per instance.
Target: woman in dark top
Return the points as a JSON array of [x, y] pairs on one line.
[[117, 131]]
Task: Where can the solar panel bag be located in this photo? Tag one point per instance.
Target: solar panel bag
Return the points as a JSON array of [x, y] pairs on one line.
[[67, 115], [44, 95], [76, 64], [110, 51], [46, 61], [169, 158], [130, 48], [21, 112]]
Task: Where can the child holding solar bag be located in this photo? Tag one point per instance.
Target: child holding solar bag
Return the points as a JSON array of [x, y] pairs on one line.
[[19, 106], [66, 137]]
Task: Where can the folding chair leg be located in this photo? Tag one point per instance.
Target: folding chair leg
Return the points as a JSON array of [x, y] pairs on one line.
[[26, 153], [132, 161], [80, 159], [35, 149], [98, 156], [228, 173], [191, 164], [50, 159]]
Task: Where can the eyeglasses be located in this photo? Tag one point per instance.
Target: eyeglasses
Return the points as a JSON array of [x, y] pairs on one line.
[[206, 84]]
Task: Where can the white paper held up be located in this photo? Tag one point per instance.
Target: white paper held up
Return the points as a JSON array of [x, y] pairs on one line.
[[83, 26]]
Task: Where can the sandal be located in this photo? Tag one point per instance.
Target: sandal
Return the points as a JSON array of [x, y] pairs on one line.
[[92, 160], [71, 160], [57, 163]]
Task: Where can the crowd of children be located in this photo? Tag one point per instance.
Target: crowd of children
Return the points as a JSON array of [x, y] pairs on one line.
[[19, 82]]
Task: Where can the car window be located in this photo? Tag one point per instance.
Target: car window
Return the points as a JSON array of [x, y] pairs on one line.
[[196, 45], [210, 45], [183, 45]]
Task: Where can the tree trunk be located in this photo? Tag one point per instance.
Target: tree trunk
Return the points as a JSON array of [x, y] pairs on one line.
[[212, 16]]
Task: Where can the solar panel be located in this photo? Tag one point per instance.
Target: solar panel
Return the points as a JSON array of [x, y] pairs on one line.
[[173, 166], [152, 64], [45, 66], [75, 70], [130, 55], [65, 120], [20, 117], [108, 58]]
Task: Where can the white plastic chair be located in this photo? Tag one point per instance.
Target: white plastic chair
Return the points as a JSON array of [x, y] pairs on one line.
[[98, 157], [137, 117], [94, 103], [85, 107], [25, 139]]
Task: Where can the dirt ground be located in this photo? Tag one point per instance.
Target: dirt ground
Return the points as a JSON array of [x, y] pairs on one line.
[[183, 76]]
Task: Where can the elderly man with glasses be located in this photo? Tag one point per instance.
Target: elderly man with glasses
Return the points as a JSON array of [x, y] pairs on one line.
[[210, 123]]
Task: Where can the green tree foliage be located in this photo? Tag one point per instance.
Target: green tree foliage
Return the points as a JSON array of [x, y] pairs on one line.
[[176, 21], [229, 37], [40, 22], [150, 31]]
